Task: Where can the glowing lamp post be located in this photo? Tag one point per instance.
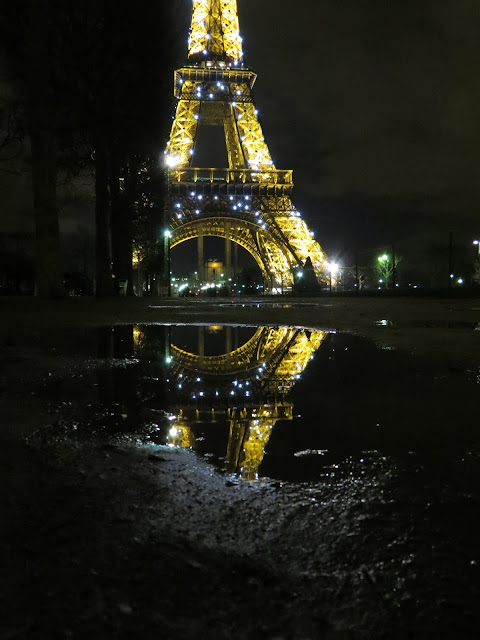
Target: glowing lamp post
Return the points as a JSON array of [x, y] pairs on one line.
[[172, 161], [383, 260], [476, 266], [333, 269]]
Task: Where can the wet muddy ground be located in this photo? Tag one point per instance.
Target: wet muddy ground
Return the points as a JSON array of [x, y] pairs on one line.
[[363, 521]]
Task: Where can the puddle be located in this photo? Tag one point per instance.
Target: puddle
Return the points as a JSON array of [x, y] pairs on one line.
[[277, 402], [384, 323], [470, 326]]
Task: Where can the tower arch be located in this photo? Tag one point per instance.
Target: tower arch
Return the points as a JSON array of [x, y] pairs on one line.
[[270, 257]]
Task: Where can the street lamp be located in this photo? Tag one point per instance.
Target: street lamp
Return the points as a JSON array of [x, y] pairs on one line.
[[333, 269], [167, 234], [384, 260]]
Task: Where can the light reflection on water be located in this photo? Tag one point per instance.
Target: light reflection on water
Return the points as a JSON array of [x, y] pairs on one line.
[[278, 402], [229, 381]]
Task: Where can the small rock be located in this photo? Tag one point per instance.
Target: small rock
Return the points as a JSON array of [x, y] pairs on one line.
[[155, 458], [125, 608]]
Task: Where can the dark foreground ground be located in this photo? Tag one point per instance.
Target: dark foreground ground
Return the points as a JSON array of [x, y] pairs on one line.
[[107, 538]]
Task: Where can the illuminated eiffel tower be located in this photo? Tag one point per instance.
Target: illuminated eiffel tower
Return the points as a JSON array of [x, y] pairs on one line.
[[249, 203]]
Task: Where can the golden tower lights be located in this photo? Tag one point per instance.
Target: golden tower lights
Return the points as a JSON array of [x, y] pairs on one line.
[[248, 202], [269, 364]]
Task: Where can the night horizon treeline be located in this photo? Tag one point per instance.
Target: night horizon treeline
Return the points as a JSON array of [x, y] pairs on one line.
[[92, 82]]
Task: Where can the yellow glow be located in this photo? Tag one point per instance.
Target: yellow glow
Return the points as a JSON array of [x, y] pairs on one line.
[[218, 94], [252, 141], [180, 435], [184, 128], [255, 438], [172, 161], [279, 355], [215, 30], [138, 337], [137, 256], [283, 351]]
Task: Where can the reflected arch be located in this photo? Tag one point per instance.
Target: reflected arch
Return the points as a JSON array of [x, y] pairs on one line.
[[276, 355], [268, 364], [232, 363]]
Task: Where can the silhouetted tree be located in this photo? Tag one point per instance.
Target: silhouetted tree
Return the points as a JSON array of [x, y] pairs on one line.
[[94, 78], [476, 273], [384, 268]]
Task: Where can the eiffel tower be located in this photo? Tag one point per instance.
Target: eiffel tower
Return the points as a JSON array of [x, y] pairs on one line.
[[249, 202]]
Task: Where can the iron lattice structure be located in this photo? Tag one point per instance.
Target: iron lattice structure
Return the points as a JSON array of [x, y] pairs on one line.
[[252, 382], [249, 202]]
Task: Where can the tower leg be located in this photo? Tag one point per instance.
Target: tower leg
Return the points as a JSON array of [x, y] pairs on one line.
[[228, 258], [201, 341], [201, 260], [235, 338], [228, 340], [235, 260]]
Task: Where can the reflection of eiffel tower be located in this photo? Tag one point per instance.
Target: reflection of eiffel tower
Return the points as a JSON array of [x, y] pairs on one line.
[[250, 384], [248, 203]]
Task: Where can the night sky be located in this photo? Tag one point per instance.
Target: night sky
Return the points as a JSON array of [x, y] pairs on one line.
[[375, 106]]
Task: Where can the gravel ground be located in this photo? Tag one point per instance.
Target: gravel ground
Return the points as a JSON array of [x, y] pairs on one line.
[[114, 538]]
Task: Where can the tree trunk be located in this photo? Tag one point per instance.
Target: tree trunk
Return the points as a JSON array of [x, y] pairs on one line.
[[44, 170], [122, 238], [103, 242]]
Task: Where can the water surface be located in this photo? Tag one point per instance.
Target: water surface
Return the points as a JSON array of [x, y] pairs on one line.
[[279, 402]]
